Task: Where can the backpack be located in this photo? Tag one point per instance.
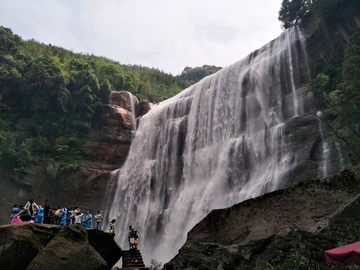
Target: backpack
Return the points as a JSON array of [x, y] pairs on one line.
[[57, 213]]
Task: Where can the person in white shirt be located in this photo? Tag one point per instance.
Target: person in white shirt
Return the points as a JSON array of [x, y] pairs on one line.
[[98, 218]]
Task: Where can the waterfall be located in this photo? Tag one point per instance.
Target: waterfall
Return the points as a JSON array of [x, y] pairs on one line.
[[219, 142], [323, 166]]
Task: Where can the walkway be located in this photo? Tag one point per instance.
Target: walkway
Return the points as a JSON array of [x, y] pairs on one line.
[[127, 264]]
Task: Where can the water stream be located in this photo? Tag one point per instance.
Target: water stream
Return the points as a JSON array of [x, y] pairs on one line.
[[217, 143]]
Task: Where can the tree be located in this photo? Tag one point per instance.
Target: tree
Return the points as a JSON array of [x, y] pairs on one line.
[[293, 12], [347, 97], [44, 85]]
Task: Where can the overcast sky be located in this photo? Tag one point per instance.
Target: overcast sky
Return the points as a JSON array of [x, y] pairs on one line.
[[164, 34]]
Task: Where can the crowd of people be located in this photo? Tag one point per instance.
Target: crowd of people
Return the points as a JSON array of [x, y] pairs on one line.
[[45, 214]]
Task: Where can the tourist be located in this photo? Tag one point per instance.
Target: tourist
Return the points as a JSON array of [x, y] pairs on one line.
[[40, 215], [134, 241], [68, 218], [51, 216], [31, 206], [112, 228], [24, 214], [131, 228], [14, 211], [47, 219], [78, 218], [74, 214], [16, 219], [83, 220], [98, 218], [62, 216], [88, 219], [33, 217], [57, 215]]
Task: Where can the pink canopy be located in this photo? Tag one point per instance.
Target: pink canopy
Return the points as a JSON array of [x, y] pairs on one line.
[[348, 254]]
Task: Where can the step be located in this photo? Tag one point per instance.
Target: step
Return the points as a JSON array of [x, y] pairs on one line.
[[127, 263], [130, 268]]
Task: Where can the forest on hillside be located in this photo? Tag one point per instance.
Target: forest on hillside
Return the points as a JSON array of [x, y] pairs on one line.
[[57, 92]]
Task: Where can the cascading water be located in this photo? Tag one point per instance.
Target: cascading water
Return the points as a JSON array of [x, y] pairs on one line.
[[217, 143]]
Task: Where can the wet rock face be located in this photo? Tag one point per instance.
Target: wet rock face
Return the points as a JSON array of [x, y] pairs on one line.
[[115, 122], [124, 100], [289, 228], [322, 43], [33, 246]]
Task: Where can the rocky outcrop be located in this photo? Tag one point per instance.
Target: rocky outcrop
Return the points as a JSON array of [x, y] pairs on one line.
[[21, 243], [105, 245], [287, 229], [114, 125], [33, 246]]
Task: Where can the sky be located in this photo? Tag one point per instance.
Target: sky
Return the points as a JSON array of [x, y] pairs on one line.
[[165, 34]]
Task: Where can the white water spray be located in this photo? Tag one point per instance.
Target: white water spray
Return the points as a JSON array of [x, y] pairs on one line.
[[217, 143]]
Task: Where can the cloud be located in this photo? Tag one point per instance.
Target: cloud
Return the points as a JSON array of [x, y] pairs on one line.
[[168, 35]]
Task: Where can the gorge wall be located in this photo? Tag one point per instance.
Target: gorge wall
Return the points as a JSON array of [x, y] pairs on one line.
[[245, 131]]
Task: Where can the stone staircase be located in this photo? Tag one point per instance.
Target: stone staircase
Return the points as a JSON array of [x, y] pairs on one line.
[[127, 264]]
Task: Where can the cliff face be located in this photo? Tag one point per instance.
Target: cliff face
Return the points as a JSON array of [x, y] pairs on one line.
[[85, 186], [332, 34]]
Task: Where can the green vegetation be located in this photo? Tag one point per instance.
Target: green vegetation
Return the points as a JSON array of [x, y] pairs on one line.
[[338, 77], [346, 98], [49, 97], [294, 12], [195, 74]]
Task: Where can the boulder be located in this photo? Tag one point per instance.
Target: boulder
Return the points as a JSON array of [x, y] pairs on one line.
[[287, 229], [36, 246], [145, 106], [69, 249], [123, 99], [20, 243], [119, 117], [105, 246]]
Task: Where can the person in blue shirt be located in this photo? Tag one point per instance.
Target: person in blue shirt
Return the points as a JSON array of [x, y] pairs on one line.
[[63, 216], [40, 215], [89, 218], [83, 220], [14, 211]]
